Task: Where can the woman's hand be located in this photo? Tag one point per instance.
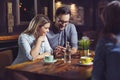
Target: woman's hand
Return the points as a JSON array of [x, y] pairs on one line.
[[39, 37]]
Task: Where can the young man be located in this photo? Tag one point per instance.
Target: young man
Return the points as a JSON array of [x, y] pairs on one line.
[[62, 31]]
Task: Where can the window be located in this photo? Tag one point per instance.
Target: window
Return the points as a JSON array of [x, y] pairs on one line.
[[25, 12], [77, 12]]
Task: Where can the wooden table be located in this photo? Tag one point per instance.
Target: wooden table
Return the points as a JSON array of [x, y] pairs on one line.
[[38, 70]]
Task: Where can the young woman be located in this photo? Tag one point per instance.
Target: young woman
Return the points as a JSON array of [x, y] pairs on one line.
[[33, 43]]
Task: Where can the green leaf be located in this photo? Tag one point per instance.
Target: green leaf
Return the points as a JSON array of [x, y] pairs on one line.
[[84, 44]]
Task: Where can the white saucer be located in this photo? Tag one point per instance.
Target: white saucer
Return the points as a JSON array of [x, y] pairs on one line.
[[87, 64], [50, 61]]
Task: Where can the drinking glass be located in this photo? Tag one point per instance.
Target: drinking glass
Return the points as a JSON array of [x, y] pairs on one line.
[[67, 55], [67, 58]]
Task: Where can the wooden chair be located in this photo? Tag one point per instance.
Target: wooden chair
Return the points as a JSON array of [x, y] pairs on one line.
[[8, 49], [6, 58]]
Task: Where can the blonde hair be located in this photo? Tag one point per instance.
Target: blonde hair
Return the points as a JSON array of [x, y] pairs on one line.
[[38, 21]]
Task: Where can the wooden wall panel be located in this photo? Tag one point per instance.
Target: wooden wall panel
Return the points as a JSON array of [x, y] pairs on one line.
[[3, 21]]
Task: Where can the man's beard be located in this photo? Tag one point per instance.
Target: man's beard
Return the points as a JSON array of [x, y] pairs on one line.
[[61, 27]]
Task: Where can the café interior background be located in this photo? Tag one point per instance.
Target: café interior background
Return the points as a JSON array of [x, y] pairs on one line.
[[15, 16]]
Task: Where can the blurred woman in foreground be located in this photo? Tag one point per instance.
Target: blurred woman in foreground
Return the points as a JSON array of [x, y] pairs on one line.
[[107, 55]]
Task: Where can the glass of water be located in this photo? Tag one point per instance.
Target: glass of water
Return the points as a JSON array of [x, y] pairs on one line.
[[67, 54], [67, 57]]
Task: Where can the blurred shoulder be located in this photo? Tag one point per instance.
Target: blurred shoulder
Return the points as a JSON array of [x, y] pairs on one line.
[[71, 25]]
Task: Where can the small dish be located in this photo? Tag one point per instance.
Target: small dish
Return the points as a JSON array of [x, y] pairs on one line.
[[87, 64], [50, 61]]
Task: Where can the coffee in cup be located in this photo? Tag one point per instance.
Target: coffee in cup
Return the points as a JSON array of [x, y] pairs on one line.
[[85, 60], [49, 58]]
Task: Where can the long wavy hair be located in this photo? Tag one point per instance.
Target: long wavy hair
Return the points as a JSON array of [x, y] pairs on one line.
[[111, 17], [38, 21]]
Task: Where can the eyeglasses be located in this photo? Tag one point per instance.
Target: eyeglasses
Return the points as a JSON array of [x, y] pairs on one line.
[[62, 21]]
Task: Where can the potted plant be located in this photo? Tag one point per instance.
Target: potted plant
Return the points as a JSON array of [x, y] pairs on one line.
[[84, 44]]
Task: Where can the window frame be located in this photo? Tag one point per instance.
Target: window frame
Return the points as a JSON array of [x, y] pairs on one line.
[[17, 13]]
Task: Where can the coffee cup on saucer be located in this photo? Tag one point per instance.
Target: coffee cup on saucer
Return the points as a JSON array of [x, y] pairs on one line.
[[85, 60], [49, 58]]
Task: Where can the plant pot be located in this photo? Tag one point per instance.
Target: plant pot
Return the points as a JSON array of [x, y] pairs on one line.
[[84, 52]]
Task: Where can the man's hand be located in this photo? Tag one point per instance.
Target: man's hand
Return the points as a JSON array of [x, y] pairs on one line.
[[59, 51]]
